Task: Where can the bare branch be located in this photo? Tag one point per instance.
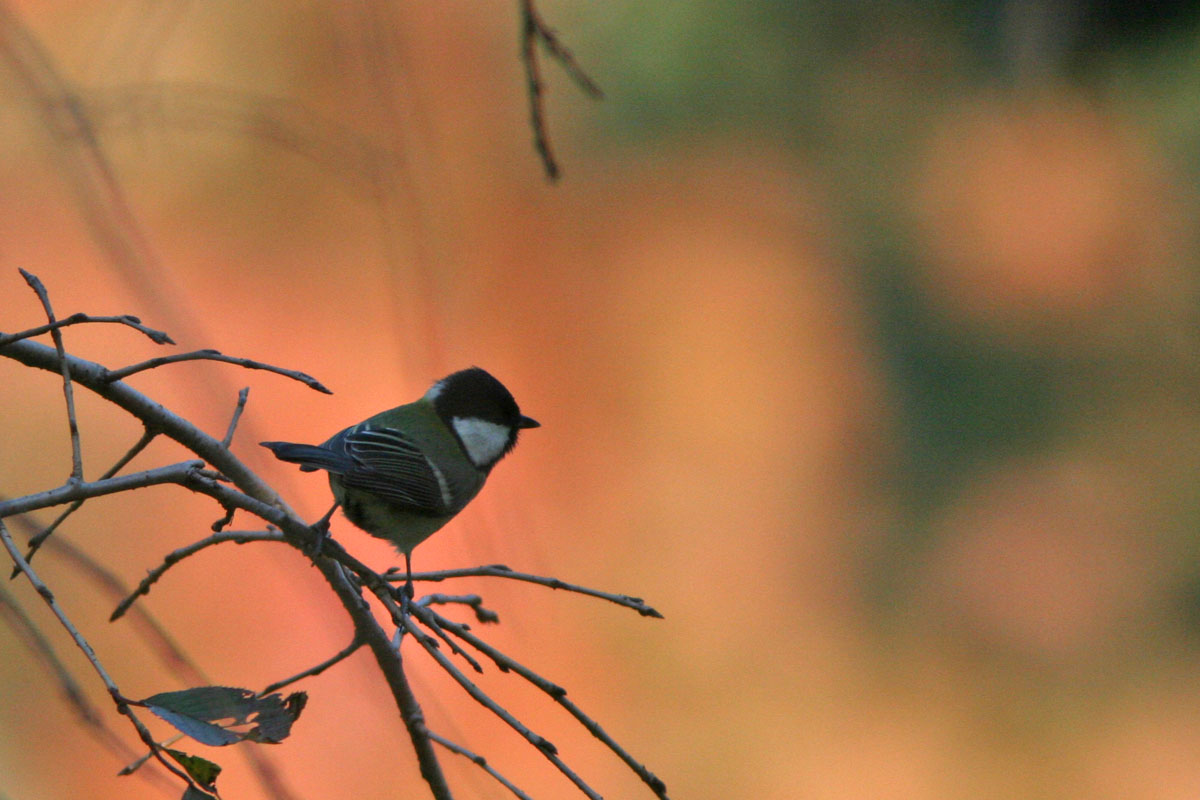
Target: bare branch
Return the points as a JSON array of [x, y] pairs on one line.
[[158, 337], [533, 31], [453, 645], [237, 415], [501, 571], [235, 487], [35, 541], [543, 745], [41, 646], [214, 355], [175, 556], [536, 89], [549, 39], [224, 521], [141, 444], [485, 615], [349, 650], [507, 664], [68, 390], [168, 651], [366, 627], [388, 659], [172, 473], [94, 377], [122, 707], [481, 761]]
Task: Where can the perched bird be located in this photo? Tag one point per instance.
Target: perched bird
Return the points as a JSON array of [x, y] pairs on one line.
[[404, 473]]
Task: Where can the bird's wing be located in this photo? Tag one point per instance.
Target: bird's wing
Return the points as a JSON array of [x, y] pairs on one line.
[[388, 464]]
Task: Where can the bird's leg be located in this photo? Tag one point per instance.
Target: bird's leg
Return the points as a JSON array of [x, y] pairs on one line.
[[321, 528], [408, 592]]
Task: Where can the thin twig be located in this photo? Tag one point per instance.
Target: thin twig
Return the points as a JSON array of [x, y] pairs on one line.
[[349, 650], [215, 355], [501, 571], [135, 766], [175, 556], [507, 664], [549, 39], [453, 645], [35, 542], [70, 492], [543, 745], [225, 521], [168, 651], [156, 336], [82, 643], [390, 664], [533, 31], [95, 377], [481, 762], [41, 646], [483, 614], [474, 601], [68, 388], [149, 628], [251, 495], [533, 82], [237, 415]]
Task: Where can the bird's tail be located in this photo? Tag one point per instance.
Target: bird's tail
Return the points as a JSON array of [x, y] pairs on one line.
[[310, 457]]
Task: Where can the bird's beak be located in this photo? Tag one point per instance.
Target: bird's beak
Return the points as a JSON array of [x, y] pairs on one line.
[[527, 422]]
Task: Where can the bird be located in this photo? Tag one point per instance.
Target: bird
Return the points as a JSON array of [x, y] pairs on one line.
[[405, 472]]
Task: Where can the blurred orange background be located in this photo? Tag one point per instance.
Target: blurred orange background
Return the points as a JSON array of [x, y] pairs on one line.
[[863, 337]]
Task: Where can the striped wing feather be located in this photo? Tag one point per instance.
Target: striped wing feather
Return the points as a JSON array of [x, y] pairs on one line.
[[389, 465]]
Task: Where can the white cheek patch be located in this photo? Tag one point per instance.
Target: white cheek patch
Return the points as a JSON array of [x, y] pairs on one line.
[[485, 441]]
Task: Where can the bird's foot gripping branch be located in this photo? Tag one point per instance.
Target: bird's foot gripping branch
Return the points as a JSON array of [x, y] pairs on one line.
[[223, 715]]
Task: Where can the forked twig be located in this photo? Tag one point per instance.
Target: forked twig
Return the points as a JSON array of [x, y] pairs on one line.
[[540, 743], [508, 664], [534, 31]]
